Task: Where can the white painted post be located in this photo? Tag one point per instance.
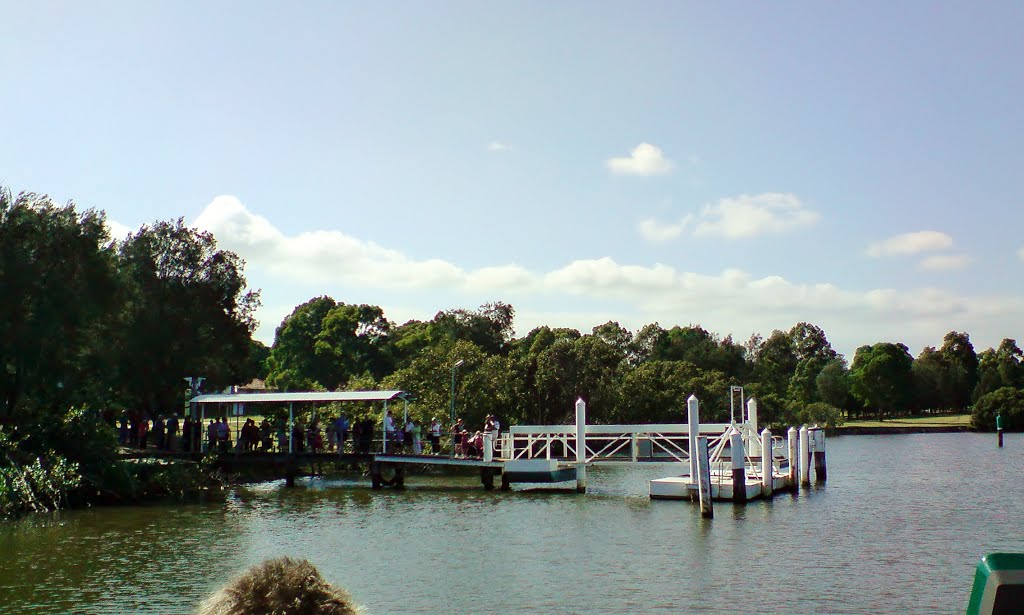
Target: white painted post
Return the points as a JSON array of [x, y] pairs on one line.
[[707, 509], [739, 476], [766, 463], [489, 447], [805, 474], [581, 446], [634, 449], [693, 420], [820, 472], [752, 420], [794, 457]]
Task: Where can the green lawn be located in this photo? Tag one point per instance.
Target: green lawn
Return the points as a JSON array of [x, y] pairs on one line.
[[929, 420]]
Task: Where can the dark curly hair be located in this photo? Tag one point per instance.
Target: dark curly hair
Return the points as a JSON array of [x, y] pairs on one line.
[[279, 586]]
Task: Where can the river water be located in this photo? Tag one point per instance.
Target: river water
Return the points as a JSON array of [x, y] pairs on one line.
[[899, 528]]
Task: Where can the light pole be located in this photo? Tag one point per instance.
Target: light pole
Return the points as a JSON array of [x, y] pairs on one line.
[[454, 367]]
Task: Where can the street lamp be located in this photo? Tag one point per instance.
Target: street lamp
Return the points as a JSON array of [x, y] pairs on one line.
[[454, 367]]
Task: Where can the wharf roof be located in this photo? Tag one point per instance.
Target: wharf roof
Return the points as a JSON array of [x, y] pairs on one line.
[[304, 396]]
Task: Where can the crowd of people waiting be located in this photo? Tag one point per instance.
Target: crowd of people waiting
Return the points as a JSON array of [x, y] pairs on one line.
[[337, 435]]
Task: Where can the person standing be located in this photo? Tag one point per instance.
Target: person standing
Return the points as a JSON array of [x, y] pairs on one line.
[[435, 436], [389, 428], [341, 430], [172, 432], [211, 436], [158, 432]]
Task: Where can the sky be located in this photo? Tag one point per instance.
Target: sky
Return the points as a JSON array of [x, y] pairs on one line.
[[742, 166]]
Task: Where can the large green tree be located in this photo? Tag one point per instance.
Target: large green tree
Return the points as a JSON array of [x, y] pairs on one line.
[[881, 377], [324, 344], [57, 287], [998, 368], [187, 311], [961, 368]]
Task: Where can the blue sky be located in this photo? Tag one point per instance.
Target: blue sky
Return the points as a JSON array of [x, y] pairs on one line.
[[743, 167]]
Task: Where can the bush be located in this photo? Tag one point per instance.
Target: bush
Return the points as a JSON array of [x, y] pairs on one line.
[[1007, 401], [38, 483], [821, 414]]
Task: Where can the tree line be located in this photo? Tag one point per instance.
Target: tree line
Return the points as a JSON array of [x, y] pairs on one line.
[[627, 377]]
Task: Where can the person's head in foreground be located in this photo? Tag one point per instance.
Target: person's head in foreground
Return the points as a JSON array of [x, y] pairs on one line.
[[279, 586]]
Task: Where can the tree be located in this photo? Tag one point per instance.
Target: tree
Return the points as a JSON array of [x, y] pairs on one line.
[[188, 312], [931, 380], [324, 343], [353, 338], [294, 363], [1007, 402], [999, 368], [646, 343], [881, 377], [809, 341], [656, 392], [812, 352], [775, 363], [490, 327], [961, 368], [58, 286], [615, 336], [833, 383]]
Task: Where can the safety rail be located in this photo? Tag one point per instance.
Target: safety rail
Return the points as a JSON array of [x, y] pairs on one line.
[[664, 441]]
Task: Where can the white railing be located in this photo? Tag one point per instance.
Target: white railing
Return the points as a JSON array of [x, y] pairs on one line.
[[664, 441]]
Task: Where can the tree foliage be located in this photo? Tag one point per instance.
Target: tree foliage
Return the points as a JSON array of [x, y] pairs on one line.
[[880, 377], [1007, 402]]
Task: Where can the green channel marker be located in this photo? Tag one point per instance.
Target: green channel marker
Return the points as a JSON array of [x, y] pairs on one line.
[[998, 585]]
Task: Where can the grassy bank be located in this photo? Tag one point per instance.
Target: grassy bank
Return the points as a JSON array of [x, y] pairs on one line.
[[928, 421]]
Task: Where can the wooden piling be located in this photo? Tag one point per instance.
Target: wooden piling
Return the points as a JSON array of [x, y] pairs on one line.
[[805, 458], [487, 478], [581, 446], [375, 477], [739, 474], [999, 429], [794, 457], [767, 480], [707, 507], [820, 471], [693, 430]]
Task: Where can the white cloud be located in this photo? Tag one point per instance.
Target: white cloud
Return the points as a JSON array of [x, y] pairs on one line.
[[584, 293], [117, 230], [319, 256], [645, 159], [945, 262], [910, 243], [654, 230], [498, 146], [753, 215]]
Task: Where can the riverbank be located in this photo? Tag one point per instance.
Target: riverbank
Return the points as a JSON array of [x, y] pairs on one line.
[[932, 423]]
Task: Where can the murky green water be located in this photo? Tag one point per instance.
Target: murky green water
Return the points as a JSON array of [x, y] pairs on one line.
[[898, 529]]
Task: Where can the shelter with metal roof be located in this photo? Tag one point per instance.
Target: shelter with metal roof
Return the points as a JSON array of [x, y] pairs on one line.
[[302, 397]]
